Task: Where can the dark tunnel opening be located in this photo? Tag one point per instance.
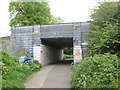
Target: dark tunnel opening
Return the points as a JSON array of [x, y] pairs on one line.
[[59, 44]]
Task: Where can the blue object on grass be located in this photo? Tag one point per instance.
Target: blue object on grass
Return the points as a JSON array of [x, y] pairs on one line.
[[25, 59], [71, 65]]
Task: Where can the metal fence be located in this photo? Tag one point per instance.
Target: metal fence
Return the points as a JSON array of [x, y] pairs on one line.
[[12, 48]]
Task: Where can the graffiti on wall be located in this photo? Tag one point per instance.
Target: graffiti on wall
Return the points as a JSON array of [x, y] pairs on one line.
[[77, 26], [77, 54]]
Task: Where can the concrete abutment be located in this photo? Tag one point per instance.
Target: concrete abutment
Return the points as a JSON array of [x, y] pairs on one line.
[[47, 54]]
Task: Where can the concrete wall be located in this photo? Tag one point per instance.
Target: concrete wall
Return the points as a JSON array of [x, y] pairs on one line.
[[23, 36], [31, 37], [27, 36], [80, 31], [56, 31], [37, 53], [46, 54], [80, 35]]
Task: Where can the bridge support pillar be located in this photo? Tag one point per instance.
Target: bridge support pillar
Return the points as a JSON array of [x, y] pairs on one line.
[[77, 53], [46, 54], [37, 53]]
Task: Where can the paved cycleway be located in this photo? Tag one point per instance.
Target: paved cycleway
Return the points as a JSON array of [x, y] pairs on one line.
[[51, 76]]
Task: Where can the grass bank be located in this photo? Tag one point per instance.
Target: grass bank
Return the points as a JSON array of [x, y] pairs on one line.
[[13, 73]]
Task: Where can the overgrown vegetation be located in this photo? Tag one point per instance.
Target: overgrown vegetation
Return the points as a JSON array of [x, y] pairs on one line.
[[31, 13], [1, 42], [13, 73], [67, 56], [104, 40], [68, 53], [104, 29], [100, 70]]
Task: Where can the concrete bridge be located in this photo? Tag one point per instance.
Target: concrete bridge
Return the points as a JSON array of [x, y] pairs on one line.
[[48, 41]]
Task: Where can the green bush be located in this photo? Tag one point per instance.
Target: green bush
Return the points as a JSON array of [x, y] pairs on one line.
[[15, 74], [1, 42], [67, 56], [68, 51], [104, 28], [100, 71]]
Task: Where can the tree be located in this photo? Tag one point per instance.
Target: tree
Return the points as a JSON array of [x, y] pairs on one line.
[[68, 51], [56, 20], [104, 12], [103, 40], [29, 13], [104, 34]]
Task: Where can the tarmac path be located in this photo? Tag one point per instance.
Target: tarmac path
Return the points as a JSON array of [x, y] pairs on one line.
[[51, 76]]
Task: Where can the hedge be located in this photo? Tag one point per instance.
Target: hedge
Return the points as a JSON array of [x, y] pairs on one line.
[[100, 71]]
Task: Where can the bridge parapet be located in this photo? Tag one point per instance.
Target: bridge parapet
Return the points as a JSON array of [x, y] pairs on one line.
[[57, 31]]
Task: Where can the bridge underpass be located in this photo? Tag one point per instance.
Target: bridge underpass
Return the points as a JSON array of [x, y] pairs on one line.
[[48, 41], [52, 49]]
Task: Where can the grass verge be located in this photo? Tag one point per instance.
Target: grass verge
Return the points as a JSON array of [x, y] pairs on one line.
[[13, 73]]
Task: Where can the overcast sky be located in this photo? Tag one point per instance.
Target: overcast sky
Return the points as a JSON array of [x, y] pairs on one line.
[[68, 10]]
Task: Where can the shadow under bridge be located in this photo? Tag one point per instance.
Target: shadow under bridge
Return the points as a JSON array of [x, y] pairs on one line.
[[52, 49]]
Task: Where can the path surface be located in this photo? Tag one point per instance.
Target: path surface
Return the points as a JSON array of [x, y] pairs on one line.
[[51, 76]]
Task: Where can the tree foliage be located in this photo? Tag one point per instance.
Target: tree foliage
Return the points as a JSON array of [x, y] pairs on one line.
[[30, 13], [56, 20], [104, 29], [68, 51], [104, 12], [100, 69]]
